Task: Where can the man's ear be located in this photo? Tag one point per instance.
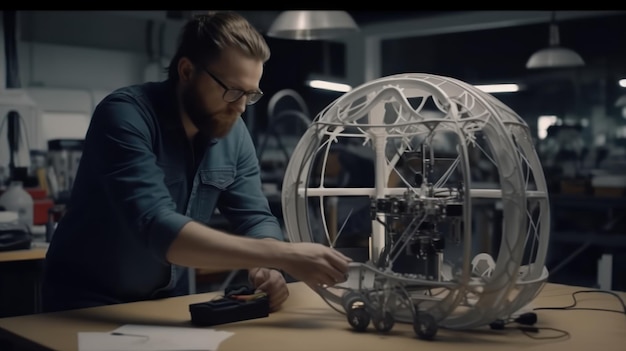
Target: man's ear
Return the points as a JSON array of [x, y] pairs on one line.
[[186, 69]]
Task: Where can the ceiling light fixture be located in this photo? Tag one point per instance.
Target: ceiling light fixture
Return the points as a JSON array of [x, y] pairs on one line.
[[329, 85], [555, 55], [312, 25], [499, 88]]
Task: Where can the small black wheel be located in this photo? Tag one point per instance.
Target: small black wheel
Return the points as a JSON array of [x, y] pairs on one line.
[[358, 318], [383, 323], [352, 299], [424, 326]]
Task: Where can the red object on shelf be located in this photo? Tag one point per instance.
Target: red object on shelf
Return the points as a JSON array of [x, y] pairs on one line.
[[37, 193], [40, 211], [41, 204]]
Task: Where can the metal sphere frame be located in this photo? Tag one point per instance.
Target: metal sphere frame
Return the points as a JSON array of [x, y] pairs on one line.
[[423, 206]]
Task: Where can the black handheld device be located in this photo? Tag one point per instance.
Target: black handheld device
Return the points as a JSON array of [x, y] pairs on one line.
[[238, 304]]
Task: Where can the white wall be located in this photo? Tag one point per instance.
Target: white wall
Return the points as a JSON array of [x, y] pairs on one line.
[[58, 66], [68, 62], [67, 83]]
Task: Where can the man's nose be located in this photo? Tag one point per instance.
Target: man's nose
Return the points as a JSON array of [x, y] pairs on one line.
[[240, 105]]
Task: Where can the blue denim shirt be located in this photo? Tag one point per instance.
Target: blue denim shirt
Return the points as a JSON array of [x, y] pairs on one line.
[[135, 188]]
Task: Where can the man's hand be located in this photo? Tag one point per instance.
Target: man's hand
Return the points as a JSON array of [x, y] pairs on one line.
[[315, 264], [272, 283]]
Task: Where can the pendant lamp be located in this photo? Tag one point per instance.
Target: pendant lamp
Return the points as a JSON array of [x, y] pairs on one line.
[[312, 25], [554, 56]]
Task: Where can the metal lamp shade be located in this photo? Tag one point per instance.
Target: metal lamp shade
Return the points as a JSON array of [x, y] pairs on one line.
[[312, 25], [554, 55]]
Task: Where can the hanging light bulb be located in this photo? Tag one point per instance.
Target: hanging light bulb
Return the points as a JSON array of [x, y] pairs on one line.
[[555, 55], [312, 25]]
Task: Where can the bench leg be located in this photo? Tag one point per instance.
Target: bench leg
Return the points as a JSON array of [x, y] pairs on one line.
[[605, 271]]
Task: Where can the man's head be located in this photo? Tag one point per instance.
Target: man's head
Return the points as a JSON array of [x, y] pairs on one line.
[[217, 67]]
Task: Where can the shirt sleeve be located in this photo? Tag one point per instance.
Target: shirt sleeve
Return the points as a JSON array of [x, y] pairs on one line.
[[244, 204], [123, 132]]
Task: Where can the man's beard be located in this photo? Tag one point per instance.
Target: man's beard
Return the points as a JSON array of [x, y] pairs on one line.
[[209, 125]]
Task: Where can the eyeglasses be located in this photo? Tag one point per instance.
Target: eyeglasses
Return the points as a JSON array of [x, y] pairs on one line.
[[232, 95]]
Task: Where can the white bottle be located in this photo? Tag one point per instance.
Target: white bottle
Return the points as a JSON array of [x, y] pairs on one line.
[[15, 198]]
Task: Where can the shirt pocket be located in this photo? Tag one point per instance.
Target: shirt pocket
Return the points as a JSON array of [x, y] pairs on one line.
[[219, 178], [212, 183]]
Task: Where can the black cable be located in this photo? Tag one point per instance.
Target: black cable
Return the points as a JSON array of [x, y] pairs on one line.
[[529, 331], [527, 321], [10, 49], [575, 303]]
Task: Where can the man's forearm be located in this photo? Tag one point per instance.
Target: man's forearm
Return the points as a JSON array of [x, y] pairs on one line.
[[199, 246]]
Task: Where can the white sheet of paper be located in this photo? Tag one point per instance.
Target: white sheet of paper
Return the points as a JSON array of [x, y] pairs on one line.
[[152, 338]]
